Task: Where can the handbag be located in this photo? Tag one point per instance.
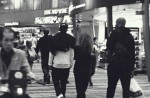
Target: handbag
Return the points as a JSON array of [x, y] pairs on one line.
[[135, 89], [31, 54]]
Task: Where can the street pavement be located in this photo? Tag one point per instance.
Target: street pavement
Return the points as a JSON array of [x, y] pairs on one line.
[[97, 91]]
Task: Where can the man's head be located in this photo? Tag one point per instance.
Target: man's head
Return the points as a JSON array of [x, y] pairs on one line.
[[120, 22], [7, 36], [63, 27], [46, 32], [33, 35]]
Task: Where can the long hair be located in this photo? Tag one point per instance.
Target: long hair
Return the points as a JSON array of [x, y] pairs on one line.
[[85, 43]]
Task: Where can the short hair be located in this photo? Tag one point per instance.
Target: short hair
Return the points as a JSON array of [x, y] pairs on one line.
[[63, 27], [33, 34], [3, 29], [121, 21], [28, 42], [94, 39], [46, 32]]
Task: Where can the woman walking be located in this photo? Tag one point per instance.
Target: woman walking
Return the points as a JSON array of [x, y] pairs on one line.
[[82, 68]]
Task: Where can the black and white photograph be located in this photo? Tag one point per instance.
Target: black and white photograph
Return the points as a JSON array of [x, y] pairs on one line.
[[74, 48]]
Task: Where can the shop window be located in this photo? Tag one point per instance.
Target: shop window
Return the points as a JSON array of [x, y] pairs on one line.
[[23, 5], [37, 4], [17, 4], [5, 6], [63, 3], [50, 3], [78, 2], [29, 4], [45, 4], [12, 6], [1, 10]]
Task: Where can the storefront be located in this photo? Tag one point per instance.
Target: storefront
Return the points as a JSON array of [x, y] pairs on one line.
[[97, 21]]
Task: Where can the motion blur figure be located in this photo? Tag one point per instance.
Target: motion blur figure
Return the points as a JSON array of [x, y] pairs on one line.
[[10, 58]]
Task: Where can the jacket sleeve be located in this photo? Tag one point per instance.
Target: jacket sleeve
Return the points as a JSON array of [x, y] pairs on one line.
[[38, 46], [131, 52], [110, 42]]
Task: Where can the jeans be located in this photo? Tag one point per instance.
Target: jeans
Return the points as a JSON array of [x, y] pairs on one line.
[[60, 77]]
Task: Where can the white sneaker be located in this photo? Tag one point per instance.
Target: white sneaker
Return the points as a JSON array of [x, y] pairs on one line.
[[60, 96]]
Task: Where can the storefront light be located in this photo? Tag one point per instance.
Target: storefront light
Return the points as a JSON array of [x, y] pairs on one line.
[[4, 1]]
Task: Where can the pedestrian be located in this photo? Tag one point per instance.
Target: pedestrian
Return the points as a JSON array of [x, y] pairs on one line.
[[31, 54], [95, 53], [10, 57], [63, 56], [44, 45], [83, 64], [34, 40], [121, 58]]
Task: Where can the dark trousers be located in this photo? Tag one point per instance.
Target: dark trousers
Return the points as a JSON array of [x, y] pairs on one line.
[[113, 77], [45, 66], [60, 77], [81, 85]]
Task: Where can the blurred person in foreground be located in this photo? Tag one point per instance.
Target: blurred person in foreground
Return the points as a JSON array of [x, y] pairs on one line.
[[31, 54], [121, 57], [10, 58], [83, 64], [62, 59]]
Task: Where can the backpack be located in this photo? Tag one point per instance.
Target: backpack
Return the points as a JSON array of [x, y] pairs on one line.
[[118, 55], [120, 50]]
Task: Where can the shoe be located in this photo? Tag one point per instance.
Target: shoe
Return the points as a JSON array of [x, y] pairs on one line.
[[41, 82], [60, 96]]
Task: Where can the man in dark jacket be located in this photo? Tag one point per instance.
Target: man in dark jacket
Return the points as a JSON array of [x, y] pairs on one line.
[[121, 57], [44, 45]]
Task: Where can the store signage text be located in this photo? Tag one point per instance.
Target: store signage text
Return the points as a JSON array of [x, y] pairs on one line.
[[139, 12], [52, 20], [12, 24], [56, 11]]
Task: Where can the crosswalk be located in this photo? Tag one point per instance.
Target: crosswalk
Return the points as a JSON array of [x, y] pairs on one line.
[[97, 91]]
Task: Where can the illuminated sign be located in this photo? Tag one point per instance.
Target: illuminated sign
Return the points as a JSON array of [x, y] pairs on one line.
[[52, 19], [90, 4], [12, 24], [56, 11]]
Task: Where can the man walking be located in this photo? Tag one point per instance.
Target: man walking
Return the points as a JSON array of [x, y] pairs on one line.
[[44, 45], [121, 57], [10, 58]]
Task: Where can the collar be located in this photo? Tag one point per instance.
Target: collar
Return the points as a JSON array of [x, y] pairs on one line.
[[12, 51]]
